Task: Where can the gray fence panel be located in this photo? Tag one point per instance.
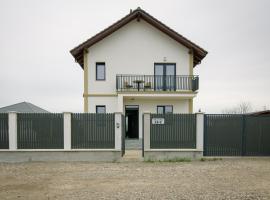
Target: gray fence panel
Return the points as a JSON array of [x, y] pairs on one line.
[[257, 136], [4, 139], [178, 132], [123, 135], [40, 131], [92, 131], [223, 135]]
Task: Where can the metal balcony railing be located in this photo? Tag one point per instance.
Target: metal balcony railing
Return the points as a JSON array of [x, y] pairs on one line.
[[128, 83]]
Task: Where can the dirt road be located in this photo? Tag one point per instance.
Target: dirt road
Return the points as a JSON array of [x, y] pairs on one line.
[[243, 178]]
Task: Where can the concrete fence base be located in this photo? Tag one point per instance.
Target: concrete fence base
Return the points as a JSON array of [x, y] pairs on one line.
[[170, 154], [57, 155]]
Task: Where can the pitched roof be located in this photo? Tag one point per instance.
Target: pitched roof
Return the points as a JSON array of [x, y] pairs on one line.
[[199, 53], [259, 113], [23, 107]]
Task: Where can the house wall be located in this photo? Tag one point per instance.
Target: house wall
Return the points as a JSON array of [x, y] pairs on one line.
[[133, 49], [110, 103], [147, 105]]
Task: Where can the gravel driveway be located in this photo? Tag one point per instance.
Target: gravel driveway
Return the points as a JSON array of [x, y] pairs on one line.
[[237, 178]]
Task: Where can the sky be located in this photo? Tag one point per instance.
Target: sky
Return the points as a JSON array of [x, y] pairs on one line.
[[36, 37]]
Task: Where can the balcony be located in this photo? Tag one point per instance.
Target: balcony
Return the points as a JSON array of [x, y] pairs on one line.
[[145, 83]]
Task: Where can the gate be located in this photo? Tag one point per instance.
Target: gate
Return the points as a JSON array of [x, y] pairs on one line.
[[173, 131], [40, 131], [236, 135], [123, 135], [4, 140], [92, 131], [257, 129]]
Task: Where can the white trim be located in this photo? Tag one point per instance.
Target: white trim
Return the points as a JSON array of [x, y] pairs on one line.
[[67, 130], [56, 150], [12, 130], [199, 130], [118, 131], [146, 131]]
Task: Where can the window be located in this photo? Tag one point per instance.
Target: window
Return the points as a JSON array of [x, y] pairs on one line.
[[100, 71], [165, 76], [164, 109], [100, 109]]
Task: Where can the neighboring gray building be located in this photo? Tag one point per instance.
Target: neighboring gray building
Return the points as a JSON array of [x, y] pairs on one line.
[[23, 107]]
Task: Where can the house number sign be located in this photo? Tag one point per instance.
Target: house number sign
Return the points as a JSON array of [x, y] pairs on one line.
[[158, 121]]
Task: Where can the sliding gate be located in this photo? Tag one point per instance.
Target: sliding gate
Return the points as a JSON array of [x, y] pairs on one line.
[[236, 135]]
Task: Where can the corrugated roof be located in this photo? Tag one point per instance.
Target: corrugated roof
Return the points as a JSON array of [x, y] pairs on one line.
[[23, 107]]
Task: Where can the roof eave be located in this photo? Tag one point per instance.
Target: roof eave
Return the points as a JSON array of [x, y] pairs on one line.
[[199, 53]]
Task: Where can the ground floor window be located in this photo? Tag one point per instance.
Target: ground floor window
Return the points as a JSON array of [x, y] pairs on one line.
[[100, 109], [164, 109]]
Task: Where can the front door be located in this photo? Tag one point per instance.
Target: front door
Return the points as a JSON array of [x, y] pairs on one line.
[[132, 122], [165, 76]]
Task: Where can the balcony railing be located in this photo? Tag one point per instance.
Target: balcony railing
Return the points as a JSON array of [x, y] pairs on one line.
[[128, 83]]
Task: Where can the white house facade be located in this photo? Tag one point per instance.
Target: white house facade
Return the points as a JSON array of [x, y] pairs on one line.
[[138, 65]]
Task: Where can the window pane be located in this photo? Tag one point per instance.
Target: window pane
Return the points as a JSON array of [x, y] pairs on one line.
[[170, 70], [160, 110], [100, 71], [158, 69], [159, 79], [168, 109], [101, 109]]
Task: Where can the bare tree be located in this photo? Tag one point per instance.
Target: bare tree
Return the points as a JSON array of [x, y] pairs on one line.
[[241, 108]]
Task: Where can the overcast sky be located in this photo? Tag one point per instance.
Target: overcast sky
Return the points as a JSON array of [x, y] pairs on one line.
[[36, 37]]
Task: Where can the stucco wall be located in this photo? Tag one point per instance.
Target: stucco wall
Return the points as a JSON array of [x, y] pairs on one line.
[[179, 106], [145, 105], [110, 103], [133, 49]]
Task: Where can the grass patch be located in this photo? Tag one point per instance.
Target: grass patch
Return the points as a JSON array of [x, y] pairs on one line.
[[210, 159]]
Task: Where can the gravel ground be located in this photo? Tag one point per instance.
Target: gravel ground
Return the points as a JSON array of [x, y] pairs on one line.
[[237, 178]]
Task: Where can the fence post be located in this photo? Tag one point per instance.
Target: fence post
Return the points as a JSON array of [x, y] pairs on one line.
[[120, 104], [67, 130], [118, 131], [12, 130], [146, 131], [199, 130]]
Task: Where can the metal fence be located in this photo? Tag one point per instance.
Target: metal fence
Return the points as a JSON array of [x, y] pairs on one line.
[[257, 136], [177, 132], [123, 134], [223, 135], [125, 82], [236, 135], [92, 131], [40, 131], [4, 141]]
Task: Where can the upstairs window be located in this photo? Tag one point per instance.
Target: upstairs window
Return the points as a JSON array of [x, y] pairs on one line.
[[100, 109], [164, 109], [100, 71]]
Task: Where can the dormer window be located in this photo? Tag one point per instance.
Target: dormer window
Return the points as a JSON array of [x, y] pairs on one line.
[[100, 71]]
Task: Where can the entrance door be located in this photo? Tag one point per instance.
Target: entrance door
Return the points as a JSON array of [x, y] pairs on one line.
[[165, 76], [132, 122]]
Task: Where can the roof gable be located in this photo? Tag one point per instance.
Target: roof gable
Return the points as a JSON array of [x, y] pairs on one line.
[[138, 14]]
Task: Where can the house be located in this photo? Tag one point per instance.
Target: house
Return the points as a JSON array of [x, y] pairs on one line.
[[260, 113], [137, 65], [23, 107]]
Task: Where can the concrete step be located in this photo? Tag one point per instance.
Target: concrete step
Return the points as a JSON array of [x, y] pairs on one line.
[[133, 144], [132, 156]]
